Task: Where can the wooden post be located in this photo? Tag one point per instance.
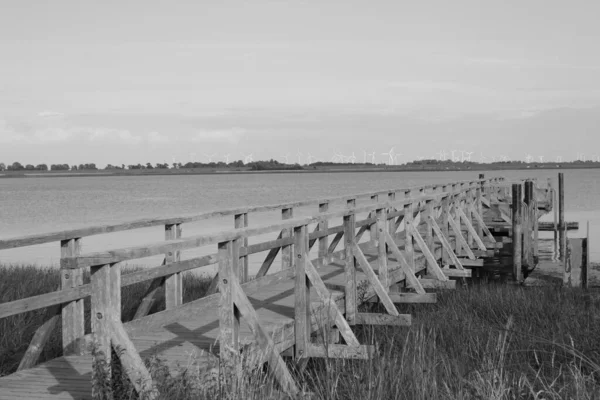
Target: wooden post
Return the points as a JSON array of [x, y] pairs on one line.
[[350, 268], [444, 224], [561, 215], [429, 234], [301, 295], [408, 243], [585, 263], [173, 283], [517, 233], [286, 251], [555, 237], [391, 225], [101, 310], [382, 260], [73, 327], [241, 221], [527, 229], [229, 315], [324, 241], [373, 227]]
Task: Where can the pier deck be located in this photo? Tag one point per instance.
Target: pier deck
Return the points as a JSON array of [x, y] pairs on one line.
[[398, 253]]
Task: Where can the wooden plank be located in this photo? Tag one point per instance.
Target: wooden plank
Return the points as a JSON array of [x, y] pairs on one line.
[[465, 262], [382, 258], [471, 229], [350, 270], [324, 241], [517, 232], [286, 252], [301, 295], [454, 260], [275, 362], [229, 318], [241, 221], [457, 273], [40, 338], [458, 237], [269, 259], [408, 241], [409, 273], [410, 298], [432, 264], [374, 281], [73, 328], [101, 309], [149, 297], [383, 319], [173, 283], [326, 298], [342, 351], [130, 359]]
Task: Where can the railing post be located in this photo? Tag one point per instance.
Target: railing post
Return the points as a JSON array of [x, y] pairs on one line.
[[301, 294], [350, 268], [479, 206], [101, 311], [323, 241], [382, 226], [373, 227], [456, 203], [444, 224], [429, 238], [229, 315], [517, 232], [391, 225], [73, 326], [286, 251], [173, 283], [241, 221], [561, 216], [408, 227]]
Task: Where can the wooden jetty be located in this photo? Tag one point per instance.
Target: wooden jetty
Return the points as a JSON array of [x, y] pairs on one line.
[[410, 242]]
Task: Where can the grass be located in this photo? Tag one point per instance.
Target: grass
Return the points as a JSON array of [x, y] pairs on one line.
[[483, 342]]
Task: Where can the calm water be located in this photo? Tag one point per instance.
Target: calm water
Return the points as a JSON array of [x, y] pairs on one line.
[[37, 205]]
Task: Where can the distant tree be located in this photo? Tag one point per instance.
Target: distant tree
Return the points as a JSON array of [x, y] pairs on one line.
[[16, 166], [2, 167], [29, 167], [74, 168], [162, 166], [42, 167], [149, 166]]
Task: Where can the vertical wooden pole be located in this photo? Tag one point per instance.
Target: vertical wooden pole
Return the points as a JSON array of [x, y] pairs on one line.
[[382, 226], [429, 234], [301, 294], [456, 203], [73, 326], [229, 316], [350, 268], [391, 225], [408, 228], [561, 214], [527, 239], [585, 263], [324, 241], [479, 208], [517, 233], [286, 251], [373, 227], [556, 241], [101, 310], [115, 290], [173, 283], [444, 224], [241, 221]]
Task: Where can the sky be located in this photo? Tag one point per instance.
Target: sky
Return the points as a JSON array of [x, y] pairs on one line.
[[127, 82]]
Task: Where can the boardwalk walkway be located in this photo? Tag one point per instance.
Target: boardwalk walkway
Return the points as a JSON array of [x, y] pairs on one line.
[[414, 244]]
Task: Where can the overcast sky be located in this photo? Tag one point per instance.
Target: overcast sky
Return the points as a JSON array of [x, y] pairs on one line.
[[137, 81]]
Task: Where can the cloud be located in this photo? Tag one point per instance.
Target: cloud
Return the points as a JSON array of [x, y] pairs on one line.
[[155, 137], [8, 134], [51, 135], [111, 135], [231, 136], [49, 114]]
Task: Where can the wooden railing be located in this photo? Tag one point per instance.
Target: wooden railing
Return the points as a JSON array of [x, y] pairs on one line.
[[458, 206]]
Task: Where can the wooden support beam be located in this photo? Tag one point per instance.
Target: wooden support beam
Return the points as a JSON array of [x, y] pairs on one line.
[[301, 294], [286, 251], [101, 310], [173, 283], [324, 241], [435, 284], [458, 237], [408, 240], [457, 273], [73, 326], [432, 265], [408, 271], [241, 221], [471, 230], [382, 258], [517, 232], [411, 298], [446, 247], [350, 270], [40, 338], [383, 319], [229, 316], [269, 259]]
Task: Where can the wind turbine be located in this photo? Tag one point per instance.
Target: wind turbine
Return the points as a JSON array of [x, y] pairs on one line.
[[209, 156], [247, 158], [309, 159], [337, 157], [365, 156], [299, 157], [483, 158], [558, 158], [528, 158], [390, 155], [372, 155], [352, 158], [541, 159], [468, 158], [286, 156], [226, 156]]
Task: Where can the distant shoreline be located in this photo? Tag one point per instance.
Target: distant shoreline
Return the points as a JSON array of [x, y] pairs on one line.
[[320, 169]]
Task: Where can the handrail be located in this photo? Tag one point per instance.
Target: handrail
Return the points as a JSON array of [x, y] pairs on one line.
[[30, 240]]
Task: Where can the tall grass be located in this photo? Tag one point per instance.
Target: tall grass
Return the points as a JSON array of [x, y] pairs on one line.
[[481, 342]]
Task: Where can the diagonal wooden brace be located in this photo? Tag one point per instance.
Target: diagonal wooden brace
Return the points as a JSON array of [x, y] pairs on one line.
[[431, 261], [471, 229], [409, 274], [459, 237], [445, 243], [481, 222]]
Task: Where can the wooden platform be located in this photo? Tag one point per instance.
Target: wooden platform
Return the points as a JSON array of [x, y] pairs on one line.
[[190, 344]]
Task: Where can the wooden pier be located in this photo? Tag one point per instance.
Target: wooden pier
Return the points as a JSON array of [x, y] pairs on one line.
[[396, 246]]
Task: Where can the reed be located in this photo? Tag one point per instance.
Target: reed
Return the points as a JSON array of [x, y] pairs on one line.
[[487, 341]]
